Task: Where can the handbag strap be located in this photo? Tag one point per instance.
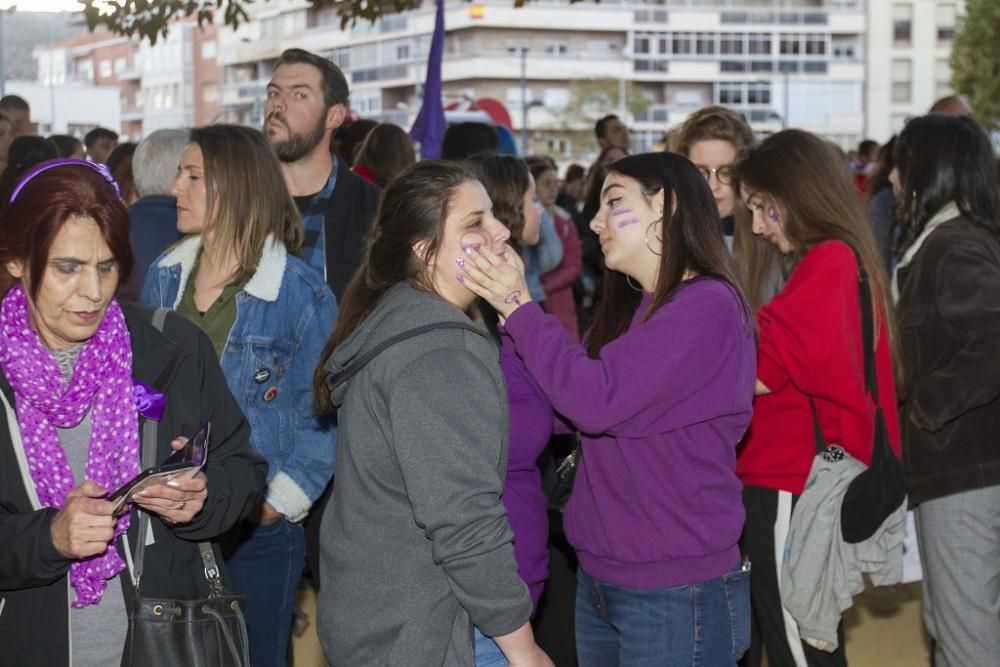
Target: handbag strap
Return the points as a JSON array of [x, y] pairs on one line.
[[868, 348], [150, 431]]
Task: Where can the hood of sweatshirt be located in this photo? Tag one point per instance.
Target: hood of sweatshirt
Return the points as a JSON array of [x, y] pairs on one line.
[[404, 312]]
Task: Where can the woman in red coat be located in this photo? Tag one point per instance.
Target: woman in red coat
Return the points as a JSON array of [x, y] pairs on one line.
[[803, 202]]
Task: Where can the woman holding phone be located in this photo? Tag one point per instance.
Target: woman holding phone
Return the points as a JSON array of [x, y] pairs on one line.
[[76, 365]]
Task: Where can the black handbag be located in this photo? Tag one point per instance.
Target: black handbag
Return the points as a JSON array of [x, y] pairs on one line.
[[562, 483], [877, 491], [881, 488], [164, 632]]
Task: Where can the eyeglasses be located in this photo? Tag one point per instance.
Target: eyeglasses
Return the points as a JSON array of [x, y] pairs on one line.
[[723, 174]]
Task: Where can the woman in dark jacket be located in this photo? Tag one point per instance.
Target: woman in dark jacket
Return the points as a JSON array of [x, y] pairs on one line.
[[948, 286], [75, 366]]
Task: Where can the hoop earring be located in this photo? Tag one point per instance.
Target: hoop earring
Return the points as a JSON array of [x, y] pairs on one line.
[[659, 239], [628, 279]]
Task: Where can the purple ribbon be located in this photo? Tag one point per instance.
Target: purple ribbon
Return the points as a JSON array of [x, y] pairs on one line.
[[149, 402]]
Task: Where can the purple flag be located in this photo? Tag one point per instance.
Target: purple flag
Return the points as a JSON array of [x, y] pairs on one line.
[[430, 124]]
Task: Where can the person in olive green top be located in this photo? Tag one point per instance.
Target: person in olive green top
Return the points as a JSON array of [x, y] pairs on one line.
[[218, 319], [268, 315]]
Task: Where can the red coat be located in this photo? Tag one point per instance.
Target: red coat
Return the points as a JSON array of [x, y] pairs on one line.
[[558, 283], [810, 345]]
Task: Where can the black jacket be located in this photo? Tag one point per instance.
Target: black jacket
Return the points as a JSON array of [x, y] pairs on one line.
[[949, 316], [34, 586], [349, 216]]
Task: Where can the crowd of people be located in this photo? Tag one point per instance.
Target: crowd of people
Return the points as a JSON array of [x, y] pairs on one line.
[[495, 416]]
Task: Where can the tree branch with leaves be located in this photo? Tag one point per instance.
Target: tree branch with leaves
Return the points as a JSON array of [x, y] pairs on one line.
[[975, 60]]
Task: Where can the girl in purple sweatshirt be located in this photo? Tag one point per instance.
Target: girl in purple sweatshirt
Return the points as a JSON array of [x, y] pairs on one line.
[[511, 188], [661, 393]]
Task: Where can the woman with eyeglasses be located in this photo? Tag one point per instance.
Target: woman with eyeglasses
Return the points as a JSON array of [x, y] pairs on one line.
[[804, 202], [715, 139]]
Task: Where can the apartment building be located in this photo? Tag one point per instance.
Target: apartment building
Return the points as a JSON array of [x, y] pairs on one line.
[[174, 83], [99, 60], [909, 47], [780, 62]]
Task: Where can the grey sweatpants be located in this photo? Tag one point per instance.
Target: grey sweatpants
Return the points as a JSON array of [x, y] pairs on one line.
[[959, 540]]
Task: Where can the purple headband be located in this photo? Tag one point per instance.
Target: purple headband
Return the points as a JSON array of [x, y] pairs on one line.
[[45, 166]]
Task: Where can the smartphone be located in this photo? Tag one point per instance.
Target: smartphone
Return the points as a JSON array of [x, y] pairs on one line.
[[181, 464]]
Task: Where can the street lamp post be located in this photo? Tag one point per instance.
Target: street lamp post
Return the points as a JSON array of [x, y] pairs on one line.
[[524, 100]]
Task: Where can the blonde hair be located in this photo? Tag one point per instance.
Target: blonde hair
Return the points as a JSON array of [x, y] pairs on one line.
[[246, 196]]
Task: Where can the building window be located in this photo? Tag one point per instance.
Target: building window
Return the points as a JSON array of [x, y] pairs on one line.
[[208, 50], [731, 93], [104, 67], [556, 48], [902, 24], [270, 27], [683, 43], [760, 44], [732, 66], [762, 66], [902, 76], [403, 52], [642, 44], [791, 45], [731, 44], [556, 98], [844, 48], [209, 93], [945, 22], [759, 93], [706, 43], [121, 64], [942, 78], [815, 45]]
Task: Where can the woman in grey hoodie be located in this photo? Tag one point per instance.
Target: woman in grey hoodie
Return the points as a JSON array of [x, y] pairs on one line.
[[415, 546]]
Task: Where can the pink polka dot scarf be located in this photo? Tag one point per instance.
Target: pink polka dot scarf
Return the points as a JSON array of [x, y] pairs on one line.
[[102, 385]]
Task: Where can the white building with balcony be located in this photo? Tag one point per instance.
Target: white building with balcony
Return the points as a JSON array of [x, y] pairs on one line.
[[909, 47], [780, 62]]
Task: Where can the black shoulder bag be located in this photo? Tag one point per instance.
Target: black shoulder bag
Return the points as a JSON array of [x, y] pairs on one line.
[[880, 489], [209, 632]]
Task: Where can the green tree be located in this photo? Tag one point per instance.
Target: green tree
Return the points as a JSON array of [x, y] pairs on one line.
[[150, 19], [592, 98], [975, 60]]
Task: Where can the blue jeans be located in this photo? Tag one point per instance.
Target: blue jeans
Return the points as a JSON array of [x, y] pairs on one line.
[[698, 624], [266, 567], [488, 654]]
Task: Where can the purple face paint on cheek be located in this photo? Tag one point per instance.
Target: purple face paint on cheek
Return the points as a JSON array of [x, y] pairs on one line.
[[474, 241], [624, 217], [627, 221]]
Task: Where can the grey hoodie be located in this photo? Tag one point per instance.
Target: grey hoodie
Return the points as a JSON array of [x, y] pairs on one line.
[[415, 545]]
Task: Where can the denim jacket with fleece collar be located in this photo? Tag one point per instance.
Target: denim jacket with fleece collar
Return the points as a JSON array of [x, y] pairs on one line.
[[284, 315]]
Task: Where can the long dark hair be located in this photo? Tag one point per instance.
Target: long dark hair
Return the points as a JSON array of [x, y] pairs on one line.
[[805, 175], [413, 209], [691, 240], [941, 159], [506, 179]]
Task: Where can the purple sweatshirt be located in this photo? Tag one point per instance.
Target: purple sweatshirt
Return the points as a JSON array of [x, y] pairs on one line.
[[531, 422], [656, 502]]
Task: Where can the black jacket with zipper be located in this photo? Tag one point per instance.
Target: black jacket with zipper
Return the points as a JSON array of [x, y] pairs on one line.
[[34, 587], [949, 327]]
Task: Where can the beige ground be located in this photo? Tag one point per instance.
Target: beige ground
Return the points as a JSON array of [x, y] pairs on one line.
[[883, 630]]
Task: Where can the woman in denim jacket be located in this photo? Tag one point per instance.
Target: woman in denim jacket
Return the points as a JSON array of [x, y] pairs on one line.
[[268, 315]]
